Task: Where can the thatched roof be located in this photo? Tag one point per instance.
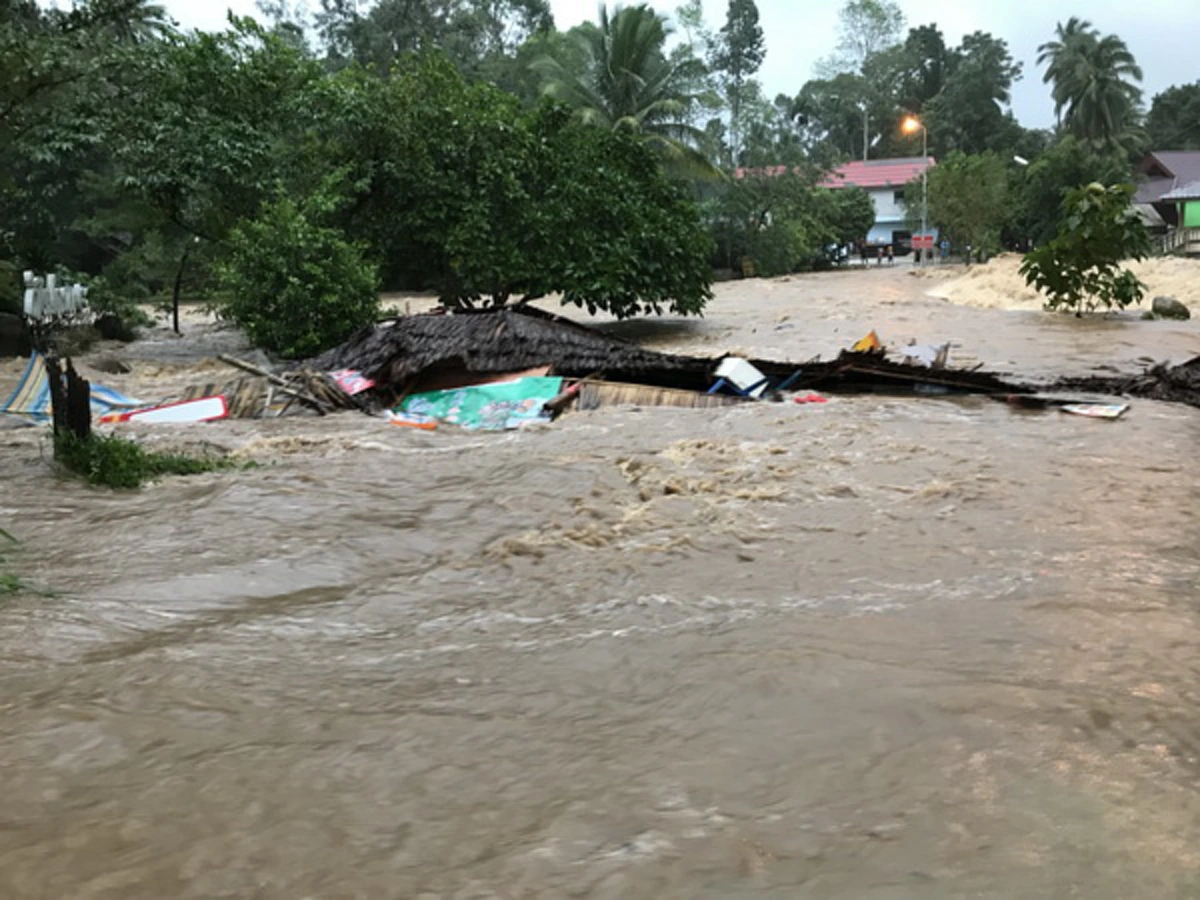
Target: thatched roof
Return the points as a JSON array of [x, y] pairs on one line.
[[1177, 384], [505, 340], [514, 340]]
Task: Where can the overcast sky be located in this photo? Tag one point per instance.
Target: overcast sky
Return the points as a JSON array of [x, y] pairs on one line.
[[1161, 33]]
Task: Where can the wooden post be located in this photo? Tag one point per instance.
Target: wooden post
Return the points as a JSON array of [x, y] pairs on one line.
[[70, 396]]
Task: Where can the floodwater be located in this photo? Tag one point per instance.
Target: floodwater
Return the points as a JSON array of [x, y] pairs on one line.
[[878, 648]]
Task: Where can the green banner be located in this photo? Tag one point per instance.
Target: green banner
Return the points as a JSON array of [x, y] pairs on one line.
[[488, 407]]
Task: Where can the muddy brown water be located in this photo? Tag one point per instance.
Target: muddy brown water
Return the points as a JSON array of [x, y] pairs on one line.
[[884, 647]]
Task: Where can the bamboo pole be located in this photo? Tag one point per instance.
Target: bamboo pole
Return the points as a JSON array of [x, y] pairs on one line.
[[321, 407]]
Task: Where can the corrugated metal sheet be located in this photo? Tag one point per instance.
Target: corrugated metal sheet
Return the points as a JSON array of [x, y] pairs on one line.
[[1189, 191], [878, 173], [1181, 169], [873, 173]]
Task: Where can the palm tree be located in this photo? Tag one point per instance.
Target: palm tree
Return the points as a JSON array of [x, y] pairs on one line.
[[138, 21], [627, 83], [1060, 56], [1094, 91]]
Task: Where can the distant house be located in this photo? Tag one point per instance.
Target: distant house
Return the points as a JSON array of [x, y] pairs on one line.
[[885, 181], [1160, 200]]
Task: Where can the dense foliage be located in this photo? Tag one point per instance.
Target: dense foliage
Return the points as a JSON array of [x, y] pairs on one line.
[[1174, 119], [479, 152], [1081, 268], [295, 286], [111, 461], [968, 200], [784, 223]]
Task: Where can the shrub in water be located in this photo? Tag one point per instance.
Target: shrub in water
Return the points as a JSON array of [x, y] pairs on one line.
[[295, 286], [117, 463]]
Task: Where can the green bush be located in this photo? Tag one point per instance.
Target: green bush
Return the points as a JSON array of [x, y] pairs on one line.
[[459, 189], [110, 461], [1081, 268], [295, 286]]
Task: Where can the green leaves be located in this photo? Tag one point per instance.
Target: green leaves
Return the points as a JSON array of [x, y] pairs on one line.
[[1081, 268], [295, 286], [968, 199]]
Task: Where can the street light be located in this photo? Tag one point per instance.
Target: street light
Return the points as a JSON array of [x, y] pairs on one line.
[[910, 125]]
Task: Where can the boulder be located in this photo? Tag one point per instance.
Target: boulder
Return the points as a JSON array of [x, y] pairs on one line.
[[1169, 308], [14, 336], [113, 328], [110, 365]]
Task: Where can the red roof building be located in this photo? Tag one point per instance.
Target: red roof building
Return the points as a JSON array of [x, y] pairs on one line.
[[872, 174], [884, 180]]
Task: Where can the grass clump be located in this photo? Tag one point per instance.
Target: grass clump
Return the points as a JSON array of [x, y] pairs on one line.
[[109, 461], [10, 583]]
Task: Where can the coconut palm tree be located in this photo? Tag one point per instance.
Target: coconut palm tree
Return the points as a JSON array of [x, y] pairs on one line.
[[138, 21], [1093, 77], [627, 83], [1059, 57]]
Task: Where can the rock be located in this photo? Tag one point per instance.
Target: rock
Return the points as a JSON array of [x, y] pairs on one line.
[[110, 365], [1169, 308], [112, 328], [14, 336], [74, 341]]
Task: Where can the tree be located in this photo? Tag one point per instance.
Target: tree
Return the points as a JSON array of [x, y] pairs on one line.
[[784, 223], [833, 111], [848, 213], [628, 84], [1093, 82], [139, 21], [1039, 188], [737, 55], [968, 199], [215, 122], [970, 112], [293, 285], [457, 188], [1174, 120], [60, 73], [478, 35], [1060, 57], [610, 232], [865, 27], [924, 66], [1081, 268], [770, 135]]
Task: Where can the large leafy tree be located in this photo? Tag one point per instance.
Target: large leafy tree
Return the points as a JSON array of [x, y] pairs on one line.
[[737, 55], [458, 189], [834, 112], [968, 199], [1174, 119], [478, 35], [1038, 190], [923, 67], [60, 72], [970, 112], [865, 28], [1094, 82], [627, 83], [215, 125]]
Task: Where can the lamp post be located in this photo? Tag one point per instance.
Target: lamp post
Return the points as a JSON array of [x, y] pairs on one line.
[[911, 124]]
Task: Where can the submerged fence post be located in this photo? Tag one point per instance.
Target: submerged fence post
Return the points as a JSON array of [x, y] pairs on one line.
[[70, 398]]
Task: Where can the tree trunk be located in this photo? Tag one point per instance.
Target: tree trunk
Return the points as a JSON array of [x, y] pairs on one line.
[[178, 287], [70, 397]]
